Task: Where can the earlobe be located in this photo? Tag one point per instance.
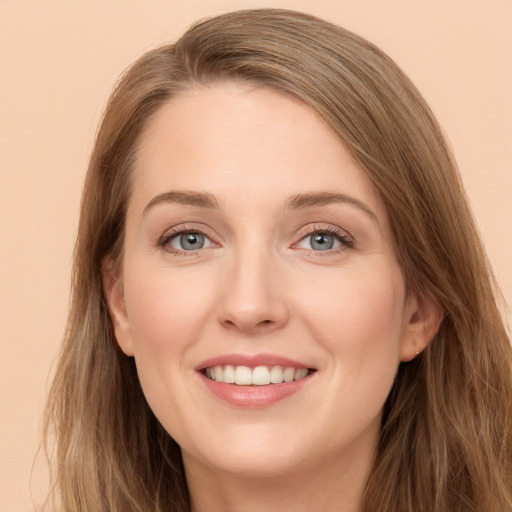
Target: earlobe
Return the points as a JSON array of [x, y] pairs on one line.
[[114, 295], [423, 319]]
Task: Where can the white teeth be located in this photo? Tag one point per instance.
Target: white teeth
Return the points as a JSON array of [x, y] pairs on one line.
[[229, 374], [300, 373], [243, 375], [276, 375], [289, 374], [259, 376]]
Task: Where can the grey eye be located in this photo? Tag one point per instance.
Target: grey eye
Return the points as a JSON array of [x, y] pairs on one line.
[[188, 241], [322, 241]]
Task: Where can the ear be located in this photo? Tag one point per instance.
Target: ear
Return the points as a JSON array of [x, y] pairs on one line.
[[422, 320], [114, 295]]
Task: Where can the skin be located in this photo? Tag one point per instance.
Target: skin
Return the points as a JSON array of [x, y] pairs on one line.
[[257, 286]]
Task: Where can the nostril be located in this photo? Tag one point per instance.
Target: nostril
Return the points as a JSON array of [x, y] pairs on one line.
[[264, 323]]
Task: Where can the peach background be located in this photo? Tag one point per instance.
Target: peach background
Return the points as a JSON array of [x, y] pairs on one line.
[[58, 63]]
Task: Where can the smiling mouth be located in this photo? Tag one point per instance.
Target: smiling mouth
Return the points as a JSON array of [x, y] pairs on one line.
[[258, 376]]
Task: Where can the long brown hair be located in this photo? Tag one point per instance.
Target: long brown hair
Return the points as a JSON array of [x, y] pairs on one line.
[[446, 437]]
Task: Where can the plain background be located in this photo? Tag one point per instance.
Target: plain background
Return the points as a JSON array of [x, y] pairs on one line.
[[58, 63]]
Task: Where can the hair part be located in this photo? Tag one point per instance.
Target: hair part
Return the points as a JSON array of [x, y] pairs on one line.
[[446, 440]]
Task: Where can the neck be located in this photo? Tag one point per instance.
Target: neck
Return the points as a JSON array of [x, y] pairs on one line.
[[328, 487]]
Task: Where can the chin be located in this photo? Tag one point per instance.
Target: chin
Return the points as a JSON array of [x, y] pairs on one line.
[[259, 465], [254, 453]]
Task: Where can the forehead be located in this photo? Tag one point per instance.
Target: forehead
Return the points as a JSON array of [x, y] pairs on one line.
[[234, 140]]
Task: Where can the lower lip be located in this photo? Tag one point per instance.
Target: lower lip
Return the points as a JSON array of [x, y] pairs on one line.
[[254, 397]]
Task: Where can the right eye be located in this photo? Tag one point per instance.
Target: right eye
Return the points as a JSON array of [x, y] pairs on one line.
[[188, 241]]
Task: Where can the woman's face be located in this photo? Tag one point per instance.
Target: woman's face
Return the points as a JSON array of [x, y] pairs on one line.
[[256, 249]]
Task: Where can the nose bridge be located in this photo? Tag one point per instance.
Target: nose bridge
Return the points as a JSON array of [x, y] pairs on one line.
[[253, 298]]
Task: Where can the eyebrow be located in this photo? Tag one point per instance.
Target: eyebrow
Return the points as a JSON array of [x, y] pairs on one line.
[[295, 202], [314, 199], [187, 197]]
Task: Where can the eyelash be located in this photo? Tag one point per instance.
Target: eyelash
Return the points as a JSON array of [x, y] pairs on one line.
[[346, 240], [165, 239]]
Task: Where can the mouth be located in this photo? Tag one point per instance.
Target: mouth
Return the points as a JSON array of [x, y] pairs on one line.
[[255, 381], [264, 375]]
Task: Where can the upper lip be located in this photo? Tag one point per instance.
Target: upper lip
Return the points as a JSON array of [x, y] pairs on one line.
[[252, 361]]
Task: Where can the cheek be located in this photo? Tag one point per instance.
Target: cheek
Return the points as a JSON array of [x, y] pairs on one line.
[[358, 316], [167, 309]]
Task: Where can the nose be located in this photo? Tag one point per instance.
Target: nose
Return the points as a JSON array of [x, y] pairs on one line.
[[253, 296]]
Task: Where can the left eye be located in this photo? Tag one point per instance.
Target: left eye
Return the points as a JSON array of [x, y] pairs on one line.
[[320, 241], [190, 241]]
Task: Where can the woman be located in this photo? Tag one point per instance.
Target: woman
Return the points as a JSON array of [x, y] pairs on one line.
[[280, 300]]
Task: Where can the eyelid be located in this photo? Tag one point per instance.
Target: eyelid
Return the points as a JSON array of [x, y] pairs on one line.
[[164, 239], [178, 236], [346, 240], [344, 237]]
